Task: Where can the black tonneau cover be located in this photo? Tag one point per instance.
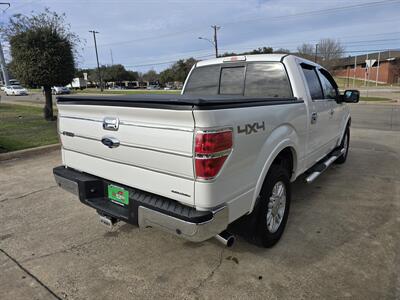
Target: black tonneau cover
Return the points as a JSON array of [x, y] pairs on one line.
[[172, 101]]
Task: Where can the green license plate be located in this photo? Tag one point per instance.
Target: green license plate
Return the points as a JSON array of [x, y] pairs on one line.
[[118, 194]]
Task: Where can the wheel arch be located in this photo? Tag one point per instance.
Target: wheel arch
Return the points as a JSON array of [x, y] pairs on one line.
[[347, 124], [286, 149]]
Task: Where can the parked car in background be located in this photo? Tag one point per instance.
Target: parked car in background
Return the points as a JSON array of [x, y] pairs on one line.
[[15, 90], [12, 82], [153, 87], [60, 90], [116, 87]]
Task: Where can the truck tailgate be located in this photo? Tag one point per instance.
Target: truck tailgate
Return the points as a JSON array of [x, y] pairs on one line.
[[154, 152]]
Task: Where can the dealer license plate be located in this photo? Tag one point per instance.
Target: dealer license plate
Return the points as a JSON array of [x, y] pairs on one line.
[[118, 194]]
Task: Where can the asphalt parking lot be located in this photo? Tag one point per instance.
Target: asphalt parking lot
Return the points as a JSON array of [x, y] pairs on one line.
[[342, 238]]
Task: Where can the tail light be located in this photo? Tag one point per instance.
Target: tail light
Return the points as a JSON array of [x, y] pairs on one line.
[[212, 148]]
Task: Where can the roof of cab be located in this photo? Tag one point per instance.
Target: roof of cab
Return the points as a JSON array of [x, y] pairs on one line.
[[253, 57]]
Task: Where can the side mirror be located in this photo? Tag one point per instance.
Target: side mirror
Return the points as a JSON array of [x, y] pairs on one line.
[[351, 96]]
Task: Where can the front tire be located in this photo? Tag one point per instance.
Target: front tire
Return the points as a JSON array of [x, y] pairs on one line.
[[344, 145], [272, 211]]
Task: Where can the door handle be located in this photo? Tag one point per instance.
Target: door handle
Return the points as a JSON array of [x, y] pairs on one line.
[[314, 117]]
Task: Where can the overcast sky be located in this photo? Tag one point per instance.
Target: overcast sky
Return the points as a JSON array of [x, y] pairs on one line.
[[149, 34]]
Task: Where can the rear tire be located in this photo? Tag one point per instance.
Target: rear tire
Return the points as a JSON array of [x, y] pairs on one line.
[[272, 210], [344, 144]]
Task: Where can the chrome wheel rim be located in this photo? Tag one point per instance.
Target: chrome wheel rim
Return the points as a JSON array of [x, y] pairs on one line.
[[276, 207]]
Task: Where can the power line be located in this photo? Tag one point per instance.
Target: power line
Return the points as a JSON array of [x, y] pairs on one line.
[[279, 45], [165, 62], [210, 55], [282, 17], [317, 12]]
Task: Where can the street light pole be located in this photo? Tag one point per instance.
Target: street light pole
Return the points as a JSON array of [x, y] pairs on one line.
[[215, 27], [97, 58], [215, 41]]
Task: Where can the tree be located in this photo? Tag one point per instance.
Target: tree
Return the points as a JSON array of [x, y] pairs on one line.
[[327, 53], [151, 76], [282, 51], [167, 76], [263, 50], [182, 68], [178, 71], [306, 50], [42, 51]]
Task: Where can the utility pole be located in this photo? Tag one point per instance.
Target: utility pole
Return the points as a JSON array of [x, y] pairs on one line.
[[377, 68], [213, 42], [215, 27], [112, 58], [97, 58], [6, 79], [316, 53], [355, 70]]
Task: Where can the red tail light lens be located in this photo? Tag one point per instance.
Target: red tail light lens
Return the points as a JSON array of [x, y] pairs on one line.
[[211, 151], [207, 143], [208, 168]]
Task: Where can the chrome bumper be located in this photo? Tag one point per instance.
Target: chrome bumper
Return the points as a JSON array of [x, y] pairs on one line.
[[67, 184], [195, 232]]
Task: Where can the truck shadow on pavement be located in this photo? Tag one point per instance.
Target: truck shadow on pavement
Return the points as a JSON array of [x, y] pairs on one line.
[[341, 215]]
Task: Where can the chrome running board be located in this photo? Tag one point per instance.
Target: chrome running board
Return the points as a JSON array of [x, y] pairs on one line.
[[319, 168]]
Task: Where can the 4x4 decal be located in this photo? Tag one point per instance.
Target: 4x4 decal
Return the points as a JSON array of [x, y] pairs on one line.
[[251, 128]]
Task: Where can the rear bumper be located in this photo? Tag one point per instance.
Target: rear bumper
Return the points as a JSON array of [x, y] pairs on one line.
[[144, 209]]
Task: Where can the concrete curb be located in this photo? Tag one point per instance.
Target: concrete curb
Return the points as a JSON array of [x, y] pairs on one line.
[[29, 152], [394, 102]]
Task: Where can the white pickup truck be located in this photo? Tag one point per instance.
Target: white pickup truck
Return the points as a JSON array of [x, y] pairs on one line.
[[222, 153]]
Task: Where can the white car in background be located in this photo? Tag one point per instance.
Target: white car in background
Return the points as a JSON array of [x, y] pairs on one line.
[[15, 90], [59, 90]]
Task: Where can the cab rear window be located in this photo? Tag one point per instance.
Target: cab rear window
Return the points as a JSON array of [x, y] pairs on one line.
[[203, 81], [232, 81], [263, 79]]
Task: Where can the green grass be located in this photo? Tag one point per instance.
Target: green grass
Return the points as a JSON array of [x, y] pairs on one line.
[[374, 99], [342, 83], [125, 92], [23, 127]]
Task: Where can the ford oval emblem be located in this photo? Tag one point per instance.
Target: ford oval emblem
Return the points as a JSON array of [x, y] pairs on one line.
[[110, 142]]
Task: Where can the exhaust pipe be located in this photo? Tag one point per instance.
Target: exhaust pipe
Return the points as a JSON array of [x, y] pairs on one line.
[[226, 238]]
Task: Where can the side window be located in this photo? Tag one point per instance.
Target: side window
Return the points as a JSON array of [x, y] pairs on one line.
[[313, 82], [328, 85], [232, 80], [267, 80]]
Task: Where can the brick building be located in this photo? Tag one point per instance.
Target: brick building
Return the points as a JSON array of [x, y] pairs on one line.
[[387, 72]]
